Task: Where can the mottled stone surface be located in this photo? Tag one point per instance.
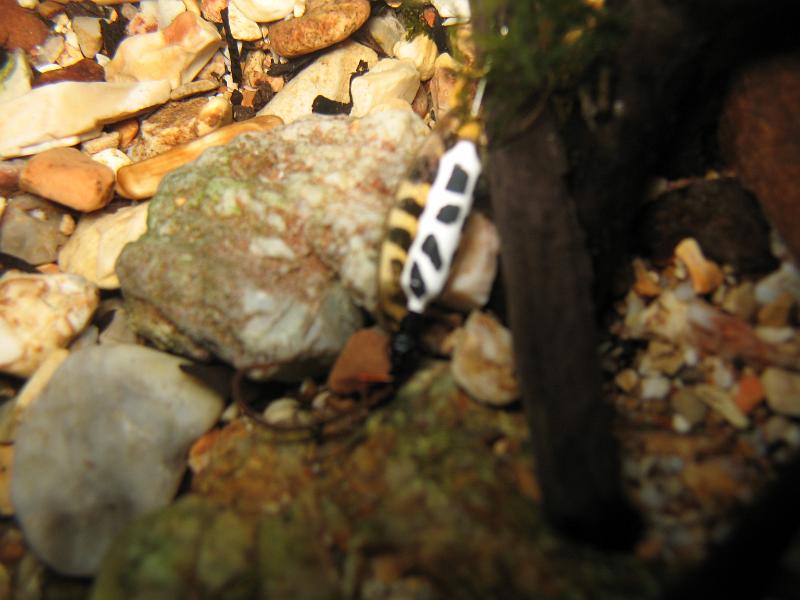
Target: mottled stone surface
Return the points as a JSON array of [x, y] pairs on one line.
[[262, 251]]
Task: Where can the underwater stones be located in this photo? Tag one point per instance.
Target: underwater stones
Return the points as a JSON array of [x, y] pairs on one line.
[[69, 177], [266, 11], [328, 76], [324, 23], [137, 418], [175, 54], [483, 364], [274, 241], [93, 248], [57, 124], [178, 123], [422, 51], [782, 389], [390, 79], [40, 313]]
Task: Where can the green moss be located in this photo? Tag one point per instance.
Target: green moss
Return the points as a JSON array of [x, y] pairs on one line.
[[410, 15], [542, 46]]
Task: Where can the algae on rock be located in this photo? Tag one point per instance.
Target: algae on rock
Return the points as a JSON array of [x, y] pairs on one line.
[[265, 250]]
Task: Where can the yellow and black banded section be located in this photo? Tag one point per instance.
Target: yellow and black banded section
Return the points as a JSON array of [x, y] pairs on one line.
[[401, 224]]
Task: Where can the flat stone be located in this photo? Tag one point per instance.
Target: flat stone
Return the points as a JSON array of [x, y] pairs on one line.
[[90, 38], [364, 360], [38, 314], [20, 27], [260, 253], [104, 443], [328, 76], [783, 391], [759, 135], [175, 54], [57, 124], [32, 229], [94, 247], [483, 363], [69, 177], [178, 123], [325, 22]]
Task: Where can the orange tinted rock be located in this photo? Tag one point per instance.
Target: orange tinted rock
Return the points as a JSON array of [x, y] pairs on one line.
[[69, 177], [83, 70], [363, 360], [324, 23], [760, 135], [706, 276], [20, 27], [750, 393]]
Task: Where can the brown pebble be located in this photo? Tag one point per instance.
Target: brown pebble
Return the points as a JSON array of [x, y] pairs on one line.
[[20, 27], [49, 9], [127, 132], [324, 23], [83, 70], [760, 135], [69, 177], [363, 360]]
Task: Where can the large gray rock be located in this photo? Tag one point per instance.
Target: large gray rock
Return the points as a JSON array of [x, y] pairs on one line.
[[105, 442], [263, 251]]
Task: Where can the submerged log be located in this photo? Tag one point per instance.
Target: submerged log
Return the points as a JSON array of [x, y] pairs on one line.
[[565, 190]]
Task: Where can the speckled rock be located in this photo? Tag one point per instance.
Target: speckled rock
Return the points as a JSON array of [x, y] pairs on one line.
[[324, 23], [273, 242], [39, 313], [136, 420], [33, 229], [94, 247], [178, 123]]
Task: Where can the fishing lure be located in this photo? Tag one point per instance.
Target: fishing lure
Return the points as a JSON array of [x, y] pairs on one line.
[[424, 228]]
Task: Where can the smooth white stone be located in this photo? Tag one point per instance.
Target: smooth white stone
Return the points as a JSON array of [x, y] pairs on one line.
[[390, 78], [57, 123], [242, 27], [421, 51], [452, 11], [386, 30], [90, 39]]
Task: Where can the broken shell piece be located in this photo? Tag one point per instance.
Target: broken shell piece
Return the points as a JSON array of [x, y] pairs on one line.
[[58, 124], [175, 54], [15, 76], [390, 78], [38, 314], [475, 265], [483, 364], [706, 276], [140, 180]]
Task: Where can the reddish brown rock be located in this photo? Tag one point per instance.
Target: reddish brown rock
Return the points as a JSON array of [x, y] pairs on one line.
[[363, 360], [760, 135], [324, 23], [69, 177], [83, 70], [20, 27]]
